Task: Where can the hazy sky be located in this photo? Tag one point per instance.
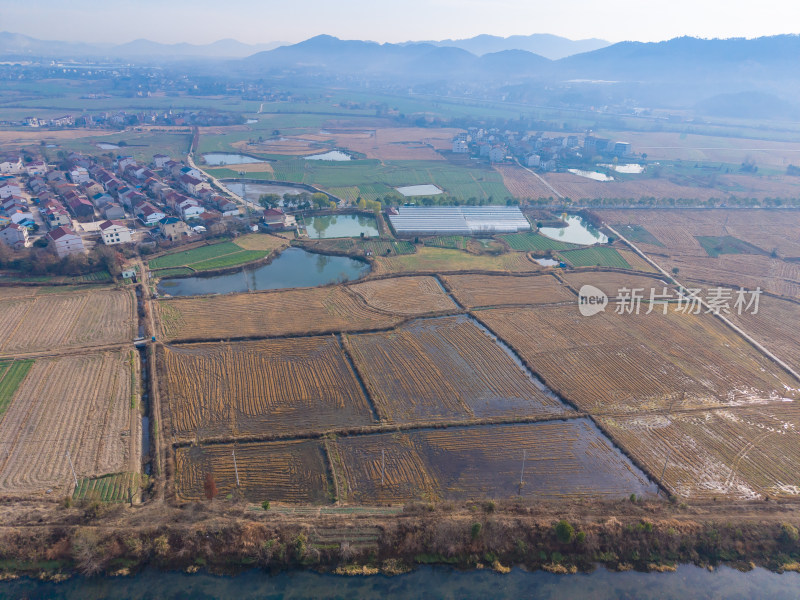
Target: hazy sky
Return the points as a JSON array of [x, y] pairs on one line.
[[253, 21]]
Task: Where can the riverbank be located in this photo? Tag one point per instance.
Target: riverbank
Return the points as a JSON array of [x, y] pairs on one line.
[[53, 541]]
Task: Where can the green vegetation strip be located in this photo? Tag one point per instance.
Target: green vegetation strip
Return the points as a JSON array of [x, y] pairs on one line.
[[12, 375], [115, 487], [456, 242], [206, 258], [638, 234], [525, 242], [594, 256], [726, 244]]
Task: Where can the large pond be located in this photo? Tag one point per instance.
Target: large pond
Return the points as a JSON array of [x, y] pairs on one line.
[[337, 226], [335, 155], [293, 268], [107, 146], [577, 231], [596, 175], [218, 159], [426, 582], [256, 190], [630, 168]]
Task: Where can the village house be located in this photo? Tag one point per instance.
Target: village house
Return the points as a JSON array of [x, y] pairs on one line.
[[192, 185], [15, 236], [159, 160], [113, 211], [64, 242], [114, 232], [79, 175], [190, 209], [11, 165], [35, 167], [9, 188], [149, 214], [277, 219], [173, 228]]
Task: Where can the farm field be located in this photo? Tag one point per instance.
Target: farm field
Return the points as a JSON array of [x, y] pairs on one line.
[[218, 256], [562, 459], [116, 487], [637, 234], [458, 181], [292, 471], [456, 242], [611, 282], [444, 369], [526, 242], [522, 183], [277, 313], [594, 256], [769, 236], [628, 363], [776, 326], [77, 403], [12, 373], [491, 290], [44, 321], [270, 387], [404, 295], [743, 453], [438, 260]]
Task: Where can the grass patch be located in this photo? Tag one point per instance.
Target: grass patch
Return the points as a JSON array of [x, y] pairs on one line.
[[444, 259], [189, 257], [179, 271], [230, 260], [637, 233], [115, 487], [455, 242], [726, 244], [525, 242], [602, 256], [12, 373], [208, 258]]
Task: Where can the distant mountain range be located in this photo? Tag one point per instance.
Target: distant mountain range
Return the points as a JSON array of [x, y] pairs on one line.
[[731, 77], [18, 45], [543, 44], [14, 44]]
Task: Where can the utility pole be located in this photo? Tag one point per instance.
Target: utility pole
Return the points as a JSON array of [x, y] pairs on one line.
[[235, 468], [383, 466], [522, 472], [71, 466]]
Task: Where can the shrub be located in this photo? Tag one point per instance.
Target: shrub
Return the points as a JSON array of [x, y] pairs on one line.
[[265, 505], [475, 532], [789, 533], [564, 531]]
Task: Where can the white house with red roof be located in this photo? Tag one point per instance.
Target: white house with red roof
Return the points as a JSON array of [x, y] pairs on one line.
[[114, 232], [64, 241]]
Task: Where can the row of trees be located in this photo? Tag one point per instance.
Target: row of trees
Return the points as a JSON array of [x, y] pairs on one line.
[[41, 261]]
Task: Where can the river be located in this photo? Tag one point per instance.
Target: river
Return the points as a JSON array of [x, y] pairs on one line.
[[424, 583]]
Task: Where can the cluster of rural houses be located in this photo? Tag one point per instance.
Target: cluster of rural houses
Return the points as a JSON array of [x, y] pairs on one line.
[[165, 197], [121, 118], [534, 150]]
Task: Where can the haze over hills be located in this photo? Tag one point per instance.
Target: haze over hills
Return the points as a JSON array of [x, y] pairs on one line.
[[544, 44], [18, 45]]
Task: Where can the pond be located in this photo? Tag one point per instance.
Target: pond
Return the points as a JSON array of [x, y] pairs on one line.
[[293, 268], [631, 168], [256, 190], [425, 582], [547, 262], [251, 121], [107, 146], [338, 226], [218, 159], [596, 175], [577, 231], [419, 190], [334, 155]]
